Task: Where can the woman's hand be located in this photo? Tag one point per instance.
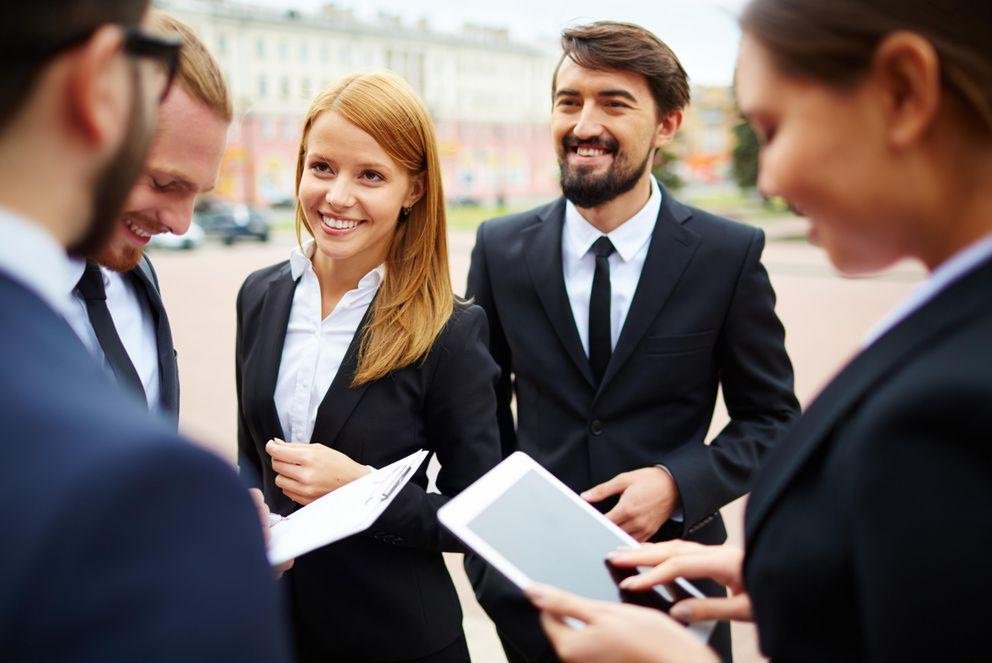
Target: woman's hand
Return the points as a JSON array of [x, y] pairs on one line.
[[691, 561], [614, 631], [308, 471]]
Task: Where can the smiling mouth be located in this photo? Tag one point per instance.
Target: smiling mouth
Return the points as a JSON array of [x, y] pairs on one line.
[[584, 151], [140, 231], [338, 223]]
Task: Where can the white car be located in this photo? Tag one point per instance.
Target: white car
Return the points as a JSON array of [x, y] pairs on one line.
[[192, 239]]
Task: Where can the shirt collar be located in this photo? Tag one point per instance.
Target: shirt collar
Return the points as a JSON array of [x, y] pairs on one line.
[[628, 238], [33, 257], [300, 263]]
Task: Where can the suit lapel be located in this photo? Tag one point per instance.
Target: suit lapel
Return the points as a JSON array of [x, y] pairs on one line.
[[545, 265], [167, 367], [949, 310], [341, 398], [269, 341], [672, 247]]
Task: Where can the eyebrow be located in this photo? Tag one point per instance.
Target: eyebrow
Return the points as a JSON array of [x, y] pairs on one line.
[[366, 165], [569, 92]]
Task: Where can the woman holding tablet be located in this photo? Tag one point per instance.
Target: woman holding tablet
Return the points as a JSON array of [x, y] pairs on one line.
[[869, 528], [357, 346]]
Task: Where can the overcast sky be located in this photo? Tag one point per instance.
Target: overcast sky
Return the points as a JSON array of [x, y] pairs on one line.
[[703, 33]]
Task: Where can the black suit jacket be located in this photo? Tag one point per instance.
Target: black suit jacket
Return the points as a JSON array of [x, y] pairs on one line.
[[869, 529], [146, 279], [121, 541], [702, 317], [385, 594]]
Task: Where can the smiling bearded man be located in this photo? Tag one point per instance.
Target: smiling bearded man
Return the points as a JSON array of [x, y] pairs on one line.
[[119, 313], [617, 312]]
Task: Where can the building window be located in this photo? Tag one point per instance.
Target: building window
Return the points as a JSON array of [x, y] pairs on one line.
[[284, 87], [304, 52], [263, 87], [222, 45], [305, 88], [260, 47], [283, 51]]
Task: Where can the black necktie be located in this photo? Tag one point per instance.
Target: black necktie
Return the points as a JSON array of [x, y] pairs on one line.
[[600, 347], [90, 287]]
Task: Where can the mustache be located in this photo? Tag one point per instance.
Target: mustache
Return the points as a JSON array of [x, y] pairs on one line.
[[569, 142]]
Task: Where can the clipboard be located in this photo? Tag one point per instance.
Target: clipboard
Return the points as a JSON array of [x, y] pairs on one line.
[[350, 509]]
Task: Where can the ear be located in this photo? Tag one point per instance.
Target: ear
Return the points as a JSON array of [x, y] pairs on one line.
[[665, 131], [98, 94], [417, 189], [907, 69]]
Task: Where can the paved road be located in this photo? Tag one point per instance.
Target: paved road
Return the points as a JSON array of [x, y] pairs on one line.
[[825, 317]]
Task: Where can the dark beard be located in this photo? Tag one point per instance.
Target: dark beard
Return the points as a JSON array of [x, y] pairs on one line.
[[586, 190], [116, 180]]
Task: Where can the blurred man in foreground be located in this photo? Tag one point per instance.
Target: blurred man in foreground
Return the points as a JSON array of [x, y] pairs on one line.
[[121, 542]]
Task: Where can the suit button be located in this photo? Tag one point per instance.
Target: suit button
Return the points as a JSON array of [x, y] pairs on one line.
[[596, 427]]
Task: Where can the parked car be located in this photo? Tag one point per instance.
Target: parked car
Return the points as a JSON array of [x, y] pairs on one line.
[[230, 223], [190, 240]]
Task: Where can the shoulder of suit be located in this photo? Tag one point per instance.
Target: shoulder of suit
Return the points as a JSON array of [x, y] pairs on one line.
[[705, 223], [465, 317], [259, 279], [512, 223]]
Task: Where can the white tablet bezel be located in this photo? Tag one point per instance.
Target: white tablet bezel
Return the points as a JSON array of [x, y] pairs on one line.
[[462, 509]]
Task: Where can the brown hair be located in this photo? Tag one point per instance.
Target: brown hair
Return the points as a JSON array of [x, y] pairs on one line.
[[415, 299], [834, 42], [606, 45], [198, 71]]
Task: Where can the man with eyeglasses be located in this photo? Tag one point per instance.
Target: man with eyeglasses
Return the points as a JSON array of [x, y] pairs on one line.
[[119, 313], [121, 541]]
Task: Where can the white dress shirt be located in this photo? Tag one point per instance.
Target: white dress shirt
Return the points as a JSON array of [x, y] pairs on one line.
[[135, 323], [31, 256], [947, 273], [315, 348], [631, 240]]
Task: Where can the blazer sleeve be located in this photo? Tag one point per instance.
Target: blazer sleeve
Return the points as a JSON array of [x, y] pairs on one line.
[[919, 495], [757, 381], [459, 410], [480, 291], [249, 464], [174, 563]]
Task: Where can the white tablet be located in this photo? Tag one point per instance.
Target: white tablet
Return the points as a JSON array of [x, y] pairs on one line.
[[534, 529]]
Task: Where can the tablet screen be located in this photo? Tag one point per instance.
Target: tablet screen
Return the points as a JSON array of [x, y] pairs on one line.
[[533, 526]]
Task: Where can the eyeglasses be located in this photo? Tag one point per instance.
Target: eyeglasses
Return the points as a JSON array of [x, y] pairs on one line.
[[161, 51]]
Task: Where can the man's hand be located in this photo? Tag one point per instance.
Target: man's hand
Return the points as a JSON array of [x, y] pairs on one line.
[[308, 471], [614, 631], [649, 496], [263, 516], [673, 559]]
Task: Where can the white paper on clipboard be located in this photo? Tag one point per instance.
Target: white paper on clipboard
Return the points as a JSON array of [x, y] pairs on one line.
[[348, 510]]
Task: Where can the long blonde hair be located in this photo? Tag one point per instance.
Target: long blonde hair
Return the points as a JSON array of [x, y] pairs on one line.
[[415, 299]]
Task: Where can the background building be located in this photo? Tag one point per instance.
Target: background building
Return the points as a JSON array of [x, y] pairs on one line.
[[706, 140], [489, 96]]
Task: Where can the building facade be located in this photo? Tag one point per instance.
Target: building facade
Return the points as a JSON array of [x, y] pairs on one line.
[[489, 96]]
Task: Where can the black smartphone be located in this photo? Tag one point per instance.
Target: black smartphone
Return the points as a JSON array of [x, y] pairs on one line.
[[660, 597]]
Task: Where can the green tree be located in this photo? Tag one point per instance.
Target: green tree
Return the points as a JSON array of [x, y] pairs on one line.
[[745, 157]]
